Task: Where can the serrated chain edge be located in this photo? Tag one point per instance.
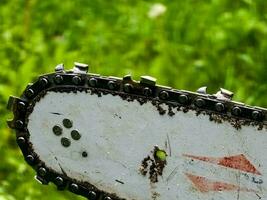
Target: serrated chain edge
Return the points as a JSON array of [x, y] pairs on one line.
[[126, 88]]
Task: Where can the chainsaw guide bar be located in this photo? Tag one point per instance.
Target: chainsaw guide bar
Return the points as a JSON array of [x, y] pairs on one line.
[[109, 138]]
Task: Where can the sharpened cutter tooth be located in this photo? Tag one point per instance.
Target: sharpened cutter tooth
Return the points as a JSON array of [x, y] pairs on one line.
[[11, 102], [115, 77], [10, 123], [41, 180], [59, 68], [80, 68], [227, 93], [127, 77], [76, 81], [148, 80], [202, 90], [224, 94]]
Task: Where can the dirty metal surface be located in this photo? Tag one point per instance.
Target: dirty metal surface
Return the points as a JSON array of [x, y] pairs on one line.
[[109, 138]]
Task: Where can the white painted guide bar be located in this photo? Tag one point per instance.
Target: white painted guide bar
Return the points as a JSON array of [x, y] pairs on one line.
[[205, 161]]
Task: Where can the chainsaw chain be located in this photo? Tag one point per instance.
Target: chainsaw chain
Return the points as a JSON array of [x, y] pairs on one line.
[[143, 91]]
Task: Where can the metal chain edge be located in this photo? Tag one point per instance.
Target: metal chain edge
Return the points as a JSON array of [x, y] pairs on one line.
[[145, 90]]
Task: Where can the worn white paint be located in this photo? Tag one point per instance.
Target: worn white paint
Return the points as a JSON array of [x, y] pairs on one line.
[[118, 134]]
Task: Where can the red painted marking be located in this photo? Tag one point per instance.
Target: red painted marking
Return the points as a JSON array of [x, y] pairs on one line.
[[205, 185], [239, 162]]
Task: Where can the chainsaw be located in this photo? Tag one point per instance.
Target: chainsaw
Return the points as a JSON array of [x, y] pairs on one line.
[[110, 138]]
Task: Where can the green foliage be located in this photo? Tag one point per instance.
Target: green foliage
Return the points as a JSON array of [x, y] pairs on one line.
[[218, 43]]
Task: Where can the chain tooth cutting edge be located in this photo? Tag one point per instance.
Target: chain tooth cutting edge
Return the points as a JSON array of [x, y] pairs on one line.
[[79, 79]]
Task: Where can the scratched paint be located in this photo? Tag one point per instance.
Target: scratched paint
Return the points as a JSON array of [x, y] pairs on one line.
[[239, 162], [204, 160]]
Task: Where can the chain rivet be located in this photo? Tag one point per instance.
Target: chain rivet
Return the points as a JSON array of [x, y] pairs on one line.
[[163, 95], [147, 91], [59, 181], [58, 79], [76, 80], [128, 87], [29, 93], [21, 140], [42, 171], [43, 81], [219, 107], [19, 124], [92, 82], [236, 111], [74, 187], [92, 195], [21, 106], [183, 98], [29, 159], [199, 102], [111, 85], [256, 115]]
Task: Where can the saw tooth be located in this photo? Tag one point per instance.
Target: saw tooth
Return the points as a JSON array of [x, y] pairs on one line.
[[148, 80], [127, 77], [10, 123], [74, 81], [11, 102], [41, 180], [59, 68], [224, 94], [80, 68], [202, 90]]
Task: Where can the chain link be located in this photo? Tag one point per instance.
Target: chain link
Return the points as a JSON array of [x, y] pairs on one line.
[[144, 91]]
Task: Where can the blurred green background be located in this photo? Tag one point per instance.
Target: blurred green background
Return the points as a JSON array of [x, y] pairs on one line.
[[184, 44]]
